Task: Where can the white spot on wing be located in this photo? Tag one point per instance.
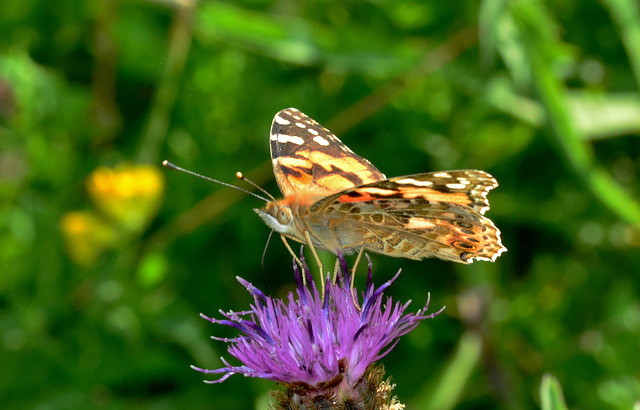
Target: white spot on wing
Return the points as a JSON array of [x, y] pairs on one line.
[[414, 182], [419, 223], [284, 138], [301, 125], [312, 131], [296, 140], [377, 191], [282, 121], [455, 186], [320, 140], [442, 175]]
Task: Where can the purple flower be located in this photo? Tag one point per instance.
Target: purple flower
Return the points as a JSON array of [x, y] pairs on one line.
[[314, 344]]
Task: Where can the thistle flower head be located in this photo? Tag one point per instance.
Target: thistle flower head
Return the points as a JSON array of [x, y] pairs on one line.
[[317, 346]]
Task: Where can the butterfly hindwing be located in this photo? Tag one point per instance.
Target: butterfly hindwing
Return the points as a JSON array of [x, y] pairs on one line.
[[424, 215]]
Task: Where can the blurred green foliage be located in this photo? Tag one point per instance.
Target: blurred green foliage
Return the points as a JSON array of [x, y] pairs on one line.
[[544, 95]]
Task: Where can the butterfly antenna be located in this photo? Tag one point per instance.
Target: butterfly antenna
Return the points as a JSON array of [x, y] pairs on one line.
[[241, 177], [264, 253], [169, 165]]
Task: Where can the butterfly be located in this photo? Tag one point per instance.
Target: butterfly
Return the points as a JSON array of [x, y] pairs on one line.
[[337, 200]]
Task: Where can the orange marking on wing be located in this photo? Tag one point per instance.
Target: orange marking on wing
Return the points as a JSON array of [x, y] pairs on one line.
[[318, 157], [347, 164], [433, 195], [303, 180], [304, 153], [293, 183], [360, 198], [334, 182], [301, 198], [291, 162]]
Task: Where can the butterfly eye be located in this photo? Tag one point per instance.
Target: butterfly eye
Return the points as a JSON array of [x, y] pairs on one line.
[[284, 215]]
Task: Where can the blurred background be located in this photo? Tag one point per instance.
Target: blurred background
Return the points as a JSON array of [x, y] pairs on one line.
[[106, 259]]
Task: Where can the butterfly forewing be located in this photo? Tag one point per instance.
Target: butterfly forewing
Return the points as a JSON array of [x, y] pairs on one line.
[[308, 157]]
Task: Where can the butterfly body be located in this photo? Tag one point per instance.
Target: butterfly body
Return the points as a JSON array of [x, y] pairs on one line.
[[341, 202]]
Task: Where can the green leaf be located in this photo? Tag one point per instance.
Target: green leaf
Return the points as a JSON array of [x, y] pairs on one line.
[[451, 383], [551, 397]]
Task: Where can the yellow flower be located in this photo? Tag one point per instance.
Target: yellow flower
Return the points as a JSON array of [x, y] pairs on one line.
[[129, 195], [126, 198]]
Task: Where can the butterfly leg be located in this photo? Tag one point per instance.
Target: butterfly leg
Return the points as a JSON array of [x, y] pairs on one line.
[[353, 273], [286, 244], [355, 265], [315, 255], [335, 271]]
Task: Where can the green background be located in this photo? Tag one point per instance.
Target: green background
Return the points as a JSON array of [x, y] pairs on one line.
[[543, 95]]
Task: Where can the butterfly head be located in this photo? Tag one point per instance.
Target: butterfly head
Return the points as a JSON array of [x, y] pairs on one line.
[[277, 217]]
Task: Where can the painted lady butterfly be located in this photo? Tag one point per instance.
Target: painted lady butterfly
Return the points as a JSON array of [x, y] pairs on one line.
[[337, 200]]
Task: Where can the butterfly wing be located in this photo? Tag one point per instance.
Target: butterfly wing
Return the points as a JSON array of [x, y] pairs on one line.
[[307, 157], [437, 214]]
